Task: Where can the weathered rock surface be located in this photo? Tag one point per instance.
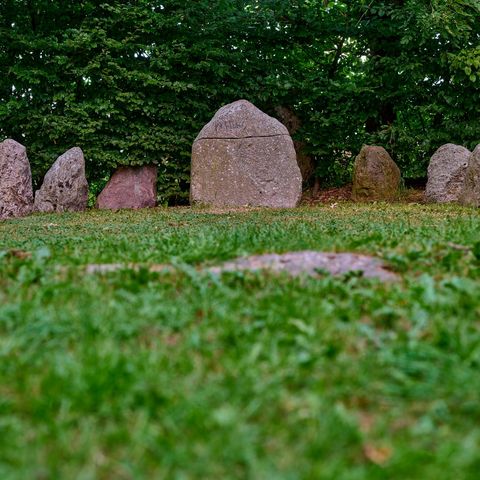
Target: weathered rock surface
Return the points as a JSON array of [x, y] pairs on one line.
[[470, 194], [309, 263], [446, 173], [130, 187], [16, 191], [64, 188], [244, 157], [376, 176]]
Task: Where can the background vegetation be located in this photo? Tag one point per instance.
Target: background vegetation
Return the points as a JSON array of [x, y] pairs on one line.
[[132, 82]]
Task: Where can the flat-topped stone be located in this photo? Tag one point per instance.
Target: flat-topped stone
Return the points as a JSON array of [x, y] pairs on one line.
[[16, 191]]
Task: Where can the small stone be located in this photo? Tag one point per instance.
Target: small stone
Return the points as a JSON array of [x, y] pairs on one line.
[[376, 176], [446, 173], [130, 187], [16, 191], [470, 194], [65, 187], [243, 157]]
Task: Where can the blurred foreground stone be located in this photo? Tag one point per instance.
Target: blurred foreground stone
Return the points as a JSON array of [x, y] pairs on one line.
[[308, 263]]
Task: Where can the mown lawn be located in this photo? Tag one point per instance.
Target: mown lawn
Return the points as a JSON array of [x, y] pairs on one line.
[[184, 375]]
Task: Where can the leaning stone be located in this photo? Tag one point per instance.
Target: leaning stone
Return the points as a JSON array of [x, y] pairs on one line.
[[243, 157], [376, 176], [471, 189], [130, 187], [16, 192], [65, 187], [446, 174]]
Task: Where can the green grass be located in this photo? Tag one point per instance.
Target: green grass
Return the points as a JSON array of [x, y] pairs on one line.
[[135, 375]]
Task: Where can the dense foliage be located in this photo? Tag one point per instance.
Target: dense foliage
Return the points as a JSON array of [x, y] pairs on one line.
[[132, 82]]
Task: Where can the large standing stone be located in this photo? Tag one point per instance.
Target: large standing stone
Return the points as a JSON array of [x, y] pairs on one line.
[[244, 157], [446, 173], [16, 192], [130, 187], [65, 187], [470, 194], [376, 176]]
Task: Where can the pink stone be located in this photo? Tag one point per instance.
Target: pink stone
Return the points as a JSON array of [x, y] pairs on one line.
[[130, 187]]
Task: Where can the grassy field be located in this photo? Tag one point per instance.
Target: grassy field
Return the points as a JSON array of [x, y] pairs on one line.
[[184, 375]]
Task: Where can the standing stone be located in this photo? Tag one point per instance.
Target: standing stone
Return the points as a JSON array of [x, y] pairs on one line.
[[244, 157], [471, 189], [16, 192], [376, 176], [446, 173], [65, 188], [130, 187]]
